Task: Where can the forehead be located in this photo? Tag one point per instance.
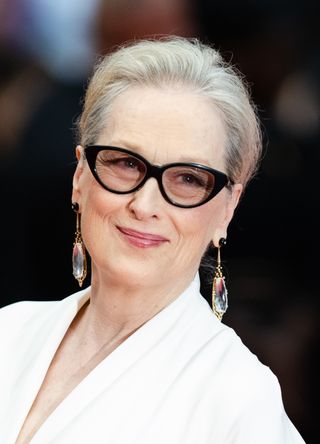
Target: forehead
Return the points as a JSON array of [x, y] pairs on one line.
[[166, 126]]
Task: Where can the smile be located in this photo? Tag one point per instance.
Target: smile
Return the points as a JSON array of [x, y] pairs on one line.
[[141, 240]]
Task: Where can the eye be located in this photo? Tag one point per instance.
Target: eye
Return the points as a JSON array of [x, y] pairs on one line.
[[122, 162], [192, 180], [130, 163], [188, 180]]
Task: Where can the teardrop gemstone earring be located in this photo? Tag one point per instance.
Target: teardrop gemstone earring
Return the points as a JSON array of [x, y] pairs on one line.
[[79, 261], [219, 290]]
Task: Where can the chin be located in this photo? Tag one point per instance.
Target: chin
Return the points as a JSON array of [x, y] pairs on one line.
[[126, 271]]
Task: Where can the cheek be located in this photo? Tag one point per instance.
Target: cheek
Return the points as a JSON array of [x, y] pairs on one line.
[[206, 219], [198, 224], [97, 206], [97, 202]]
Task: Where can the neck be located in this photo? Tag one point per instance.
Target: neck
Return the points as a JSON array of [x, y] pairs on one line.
[[117, 309]]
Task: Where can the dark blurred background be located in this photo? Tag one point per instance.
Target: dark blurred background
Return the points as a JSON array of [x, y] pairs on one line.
[[47, 49]]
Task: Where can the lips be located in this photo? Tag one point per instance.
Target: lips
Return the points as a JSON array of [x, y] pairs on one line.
[[141, 239]]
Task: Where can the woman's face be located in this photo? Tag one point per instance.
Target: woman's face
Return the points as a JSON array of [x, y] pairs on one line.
[[140, 238]]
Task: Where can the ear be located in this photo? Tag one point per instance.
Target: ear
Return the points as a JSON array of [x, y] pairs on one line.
[[233, 200], [76, 189]]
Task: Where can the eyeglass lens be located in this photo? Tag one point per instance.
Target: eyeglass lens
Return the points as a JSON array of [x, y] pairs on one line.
[[184, 185]]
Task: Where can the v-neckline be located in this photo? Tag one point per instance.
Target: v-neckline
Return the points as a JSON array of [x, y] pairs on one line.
[[107, 370]]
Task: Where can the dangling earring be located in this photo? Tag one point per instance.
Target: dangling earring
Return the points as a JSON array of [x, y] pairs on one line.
[[219, 290], [79, 261]]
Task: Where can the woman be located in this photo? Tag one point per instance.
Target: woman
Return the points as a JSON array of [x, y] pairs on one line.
[[168, 141]]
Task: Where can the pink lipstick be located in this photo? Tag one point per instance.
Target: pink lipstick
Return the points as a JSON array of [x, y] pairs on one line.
[[142, 240]]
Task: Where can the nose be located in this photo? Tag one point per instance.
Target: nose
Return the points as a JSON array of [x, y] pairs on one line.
[[145, 203]]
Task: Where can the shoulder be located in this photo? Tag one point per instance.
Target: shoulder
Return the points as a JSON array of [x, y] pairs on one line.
[[221, 352], [242, 393], [26, 325], [18, 323], [220, 344], [249, 394], [245, 373], [16, 316], [18, 312]]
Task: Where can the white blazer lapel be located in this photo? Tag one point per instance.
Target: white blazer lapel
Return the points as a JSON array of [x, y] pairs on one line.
[[99, 382], [34, 353]]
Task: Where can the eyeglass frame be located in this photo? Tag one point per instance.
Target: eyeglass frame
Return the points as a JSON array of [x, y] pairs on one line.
[[156, 171]]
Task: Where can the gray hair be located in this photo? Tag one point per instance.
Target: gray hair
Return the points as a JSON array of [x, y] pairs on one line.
[[185, 63]]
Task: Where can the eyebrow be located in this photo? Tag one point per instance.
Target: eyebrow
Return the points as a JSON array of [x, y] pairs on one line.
[[136, 148], [188, 159]]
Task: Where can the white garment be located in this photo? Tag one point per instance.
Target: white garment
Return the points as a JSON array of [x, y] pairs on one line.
[[182, 378]]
